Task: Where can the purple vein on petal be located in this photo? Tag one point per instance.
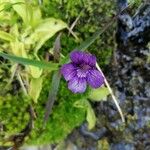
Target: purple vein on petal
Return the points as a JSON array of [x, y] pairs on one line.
[[77, 85], [89, 59], [68, 71], [76, 56], [95, 78]]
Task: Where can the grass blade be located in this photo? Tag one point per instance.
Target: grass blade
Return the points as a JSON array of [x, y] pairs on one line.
[[26, 61], [52, 95]]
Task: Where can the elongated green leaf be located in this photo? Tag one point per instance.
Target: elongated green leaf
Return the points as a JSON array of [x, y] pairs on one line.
[[6, 36], [99, 94], [84, 45], [35, 71], [54, 85], [89, 41], [36, 17], [90, 117], [30, 15], [35, 88], [18, 49], [44, 31], [25, 61], [22, 10], [14, 31], [52, 95]]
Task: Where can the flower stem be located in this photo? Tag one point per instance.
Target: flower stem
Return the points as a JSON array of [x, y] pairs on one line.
[[112, 94]]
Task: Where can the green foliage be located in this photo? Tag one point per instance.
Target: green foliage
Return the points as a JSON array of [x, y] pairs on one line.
[[31, 43], [63, 119], [35, 88], [90, 115], [44, 31], [26, 37], [6, 36], [135, 2], [94, 16], [13, 115], [30, 15], [48, 65], [98, 94]]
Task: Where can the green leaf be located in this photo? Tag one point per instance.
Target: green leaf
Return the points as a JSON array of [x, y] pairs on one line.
[[98, 94], [4, 6], [18, 49], [52, 94], [89, 41], [14, 30], [22, 10], [25, 61], [35, 71], [84, 45], [35, 88], [6, 36], [45, 31], [90, 117], [36, 17], [30, 14]]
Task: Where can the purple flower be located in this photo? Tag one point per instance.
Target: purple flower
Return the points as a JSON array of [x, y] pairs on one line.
[[82, 71]]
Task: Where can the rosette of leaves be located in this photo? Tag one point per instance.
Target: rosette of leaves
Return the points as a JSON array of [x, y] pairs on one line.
[[26, 36]]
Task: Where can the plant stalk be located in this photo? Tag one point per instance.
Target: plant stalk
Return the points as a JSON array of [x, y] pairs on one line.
[[112, 94]]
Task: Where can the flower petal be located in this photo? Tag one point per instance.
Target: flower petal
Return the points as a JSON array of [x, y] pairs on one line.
[[95, 78], [68, 71], [77, 85], [81, 73], [79, 57], [89, 59], [76, 56]]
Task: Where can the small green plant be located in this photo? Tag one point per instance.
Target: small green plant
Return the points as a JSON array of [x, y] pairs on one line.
[[24, 39], [39, 78]]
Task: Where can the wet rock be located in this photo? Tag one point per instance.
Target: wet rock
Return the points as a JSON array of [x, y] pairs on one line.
[[96, 135]]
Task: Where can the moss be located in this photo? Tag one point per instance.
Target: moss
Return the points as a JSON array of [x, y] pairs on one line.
[[13, 115], [63, 119], [94, 15]]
